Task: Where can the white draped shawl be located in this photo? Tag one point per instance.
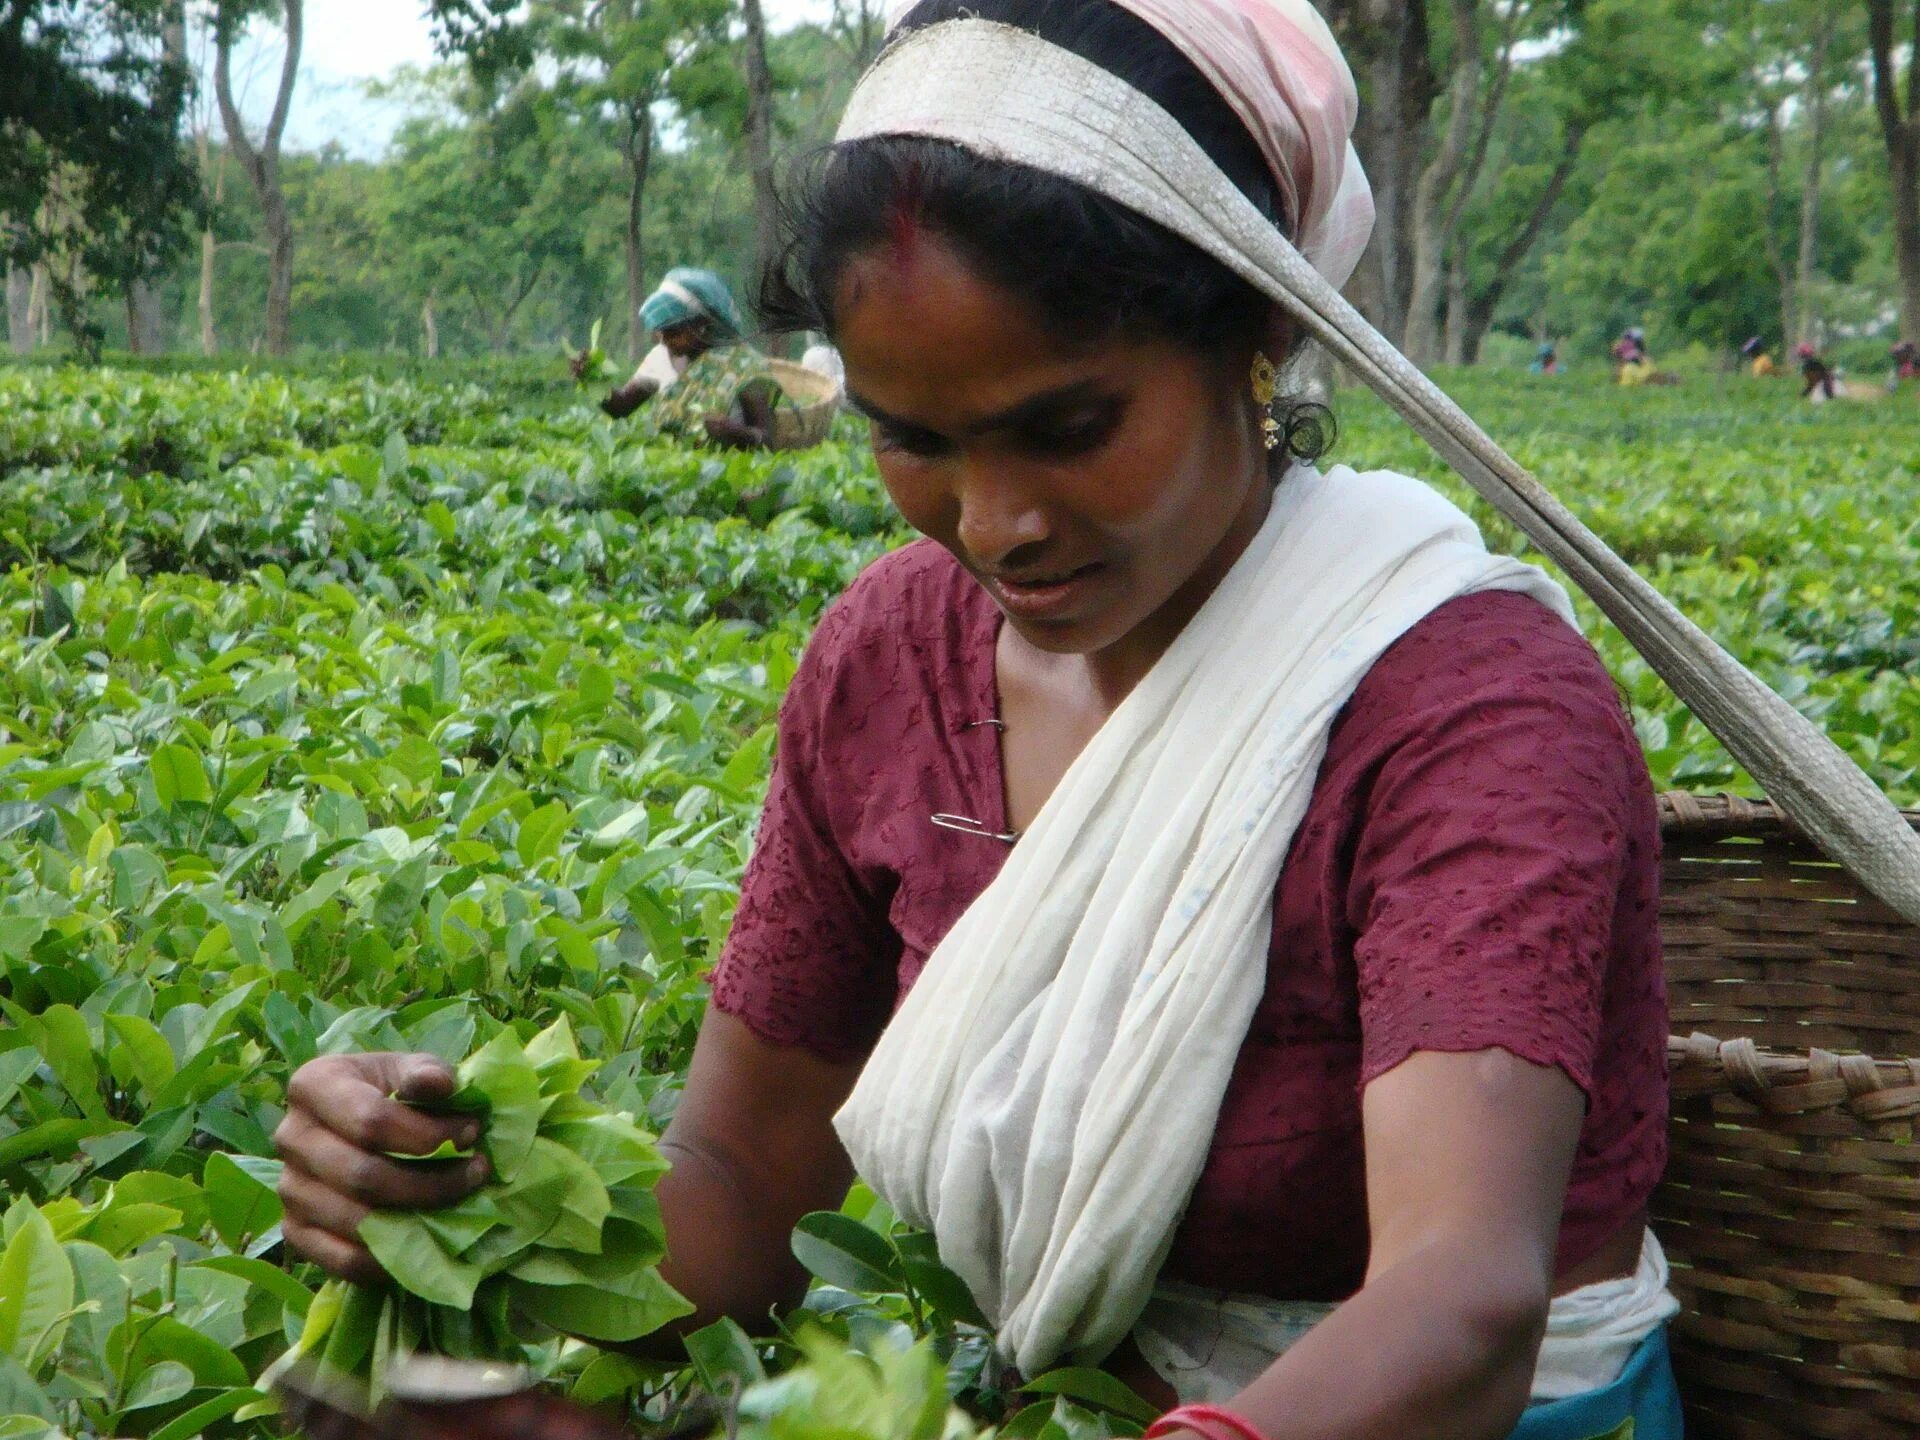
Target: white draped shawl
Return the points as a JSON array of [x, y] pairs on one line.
[[1046, 1094]]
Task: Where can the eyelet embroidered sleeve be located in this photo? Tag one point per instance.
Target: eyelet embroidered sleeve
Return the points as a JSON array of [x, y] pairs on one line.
[[1497, 833]]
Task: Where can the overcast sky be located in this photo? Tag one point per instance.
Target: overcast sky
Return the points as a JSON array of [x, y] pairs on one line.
[[348, 41]]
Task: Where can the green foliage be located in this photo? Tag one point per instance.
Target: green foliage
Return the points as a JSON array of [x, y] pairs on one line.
[[429, 710], [520, 158], [350, 715]]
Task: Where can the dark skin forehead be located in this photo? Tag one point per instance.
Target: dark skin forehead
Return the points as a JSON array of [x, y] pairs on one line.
[[1037, 407], [1001, 362]]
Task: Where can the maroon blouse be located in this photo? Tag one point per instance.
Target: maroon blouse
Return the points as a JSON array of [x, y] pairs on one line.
[[1476, 868]]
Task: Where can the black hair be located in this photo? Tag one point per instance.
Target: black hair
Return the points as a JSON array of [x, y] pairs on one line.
[[1091, 268]]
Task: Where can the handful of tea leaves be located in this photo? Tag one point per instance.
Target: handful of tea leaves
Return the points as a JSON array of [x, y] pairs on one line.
[[591, 364], [565, 1236]]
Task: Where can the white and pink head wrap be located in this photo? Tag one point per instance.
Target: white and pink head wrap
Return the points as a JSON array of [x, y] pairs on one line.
[[1280, 69]]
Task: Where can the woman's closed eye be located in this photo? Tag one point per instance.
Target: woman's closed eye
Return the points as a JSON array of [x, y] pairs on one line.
[[891, 435], [1079, 431], [1051, 432]]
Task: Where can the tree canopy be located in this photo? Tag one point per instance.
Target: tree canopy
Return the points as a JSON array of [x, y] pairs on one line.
[[93, 180], [1547, 169]]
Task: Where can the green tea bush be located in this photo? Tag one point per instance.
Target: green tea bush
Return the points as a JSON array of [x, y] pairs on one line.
[[422, 713]]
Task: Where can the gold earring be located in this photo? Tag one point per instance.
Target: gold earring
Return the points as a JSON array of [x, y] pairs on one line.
[[1266, 388]]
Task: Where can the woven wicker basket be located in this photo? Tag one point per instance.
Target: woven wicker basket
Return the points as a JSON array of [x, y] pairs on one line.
[[805, 413], [1791, 1203]]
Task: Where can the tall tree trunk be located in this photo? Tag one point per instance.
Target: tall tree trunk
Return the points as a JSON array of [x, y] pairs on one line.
[[1437, 180], [1485, 304], [40, 306], [149, 327], [1900, 128], [20, 309], [1458, 302], [209, 243], [1387, 42], [639, 156], [430, 328], [1459, 285], [209, 339], [766, 205], [1810, 184], [1770, 228], [262, 166]]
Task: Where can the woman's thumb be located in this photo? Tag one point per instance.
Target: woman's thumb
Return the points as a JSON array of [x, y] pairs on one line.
[[422, 1077]]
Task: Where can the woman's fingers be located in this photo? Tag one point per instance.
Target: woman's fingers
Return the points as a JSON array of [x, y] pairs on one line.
[[354, 1097], [340, 1122], [314, 1203], [372, 1178], [345, 1259]]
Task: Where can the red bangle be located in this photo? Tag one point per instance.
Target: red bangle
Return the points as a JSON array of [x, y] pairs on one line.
[[1207, 1420]]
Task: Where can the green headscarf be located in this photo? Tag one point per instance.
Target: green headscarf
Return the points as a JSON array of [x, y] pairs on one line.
[[688, 294]]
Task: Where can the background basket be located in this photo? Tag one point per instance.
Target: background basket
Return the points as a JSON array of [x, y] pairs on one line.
[[1791, 1203], [805, 414]]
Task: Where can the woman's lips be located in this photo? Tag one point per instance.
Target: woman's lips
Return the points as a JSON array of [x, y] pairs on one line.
[[1047, 597]]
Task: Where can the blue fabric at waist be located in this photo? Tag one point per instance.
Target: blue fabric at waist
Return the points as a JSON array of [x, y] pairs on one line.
[[1645, 1393]]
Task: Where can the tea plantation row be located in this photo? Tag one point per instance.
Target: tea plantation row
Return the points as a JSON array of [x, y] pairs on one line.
[[342, 713]]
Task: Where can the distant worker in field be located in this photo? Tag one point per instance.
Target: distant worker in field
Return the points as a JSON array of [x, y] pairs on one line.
[[1546, 360], [1759, 359], [1906, 363], [1816, 376], [701, 380], [1631, 363]]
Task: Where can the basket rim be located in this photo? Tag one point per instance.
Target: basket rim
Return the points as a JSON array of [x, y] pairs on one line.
[[1723, 814], [1788, 1082], [808, 390]]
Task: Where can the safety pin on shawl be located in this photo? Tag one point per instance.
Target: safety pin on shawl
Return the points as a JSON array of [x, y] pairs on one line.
[[967, 825]]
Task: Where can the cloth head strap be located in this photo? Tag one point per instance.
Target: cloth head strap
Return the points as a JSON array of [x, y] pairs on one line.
[[689, 294], [685, 296], [1009, 95]]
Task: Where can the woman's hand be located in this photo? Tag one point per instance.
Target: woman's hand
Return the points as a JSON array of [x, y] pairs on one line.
[[629, 397], [345, 1121], [751, 430]]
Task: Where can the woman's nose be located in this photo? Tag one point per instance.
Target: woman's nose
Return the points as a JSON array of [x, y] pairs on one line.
[[998, 514]]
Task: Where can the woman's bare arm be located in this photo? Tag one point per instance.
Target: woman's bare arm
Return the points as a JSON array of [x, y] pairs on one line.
[[753, 1149], [753, 431], [1467, 1163]]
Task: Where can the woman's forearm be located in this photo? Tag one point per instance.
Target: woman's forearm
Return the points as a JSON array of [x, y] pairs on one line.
[[727, 1254], [729, 1247], [1440, 1345], [752, 1149]]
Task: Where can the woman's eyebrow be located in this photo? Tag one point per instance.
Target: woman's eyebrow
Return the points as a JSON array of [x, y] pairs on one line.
[[1034, 407]]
